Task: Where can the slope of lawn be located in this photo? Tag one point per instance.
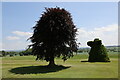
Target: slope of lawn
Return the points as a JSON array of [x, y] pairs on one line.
[[27, 67]]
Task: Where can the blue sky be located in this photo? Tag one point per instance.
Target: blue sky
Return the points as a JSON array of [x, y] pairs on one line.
[[94, 19]]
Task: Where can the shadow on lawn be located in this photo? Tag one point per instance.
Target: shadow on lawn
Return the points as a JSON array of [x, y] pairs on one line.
[[37, 69], [95, 61]]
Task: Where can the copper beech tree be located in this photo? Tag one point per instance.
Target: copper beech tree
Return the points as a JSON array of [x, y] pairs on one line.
[[54, 36]]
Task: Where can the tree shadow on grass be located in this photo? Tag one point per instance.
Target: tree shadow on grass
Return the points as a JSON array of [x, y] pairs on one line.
[[95, 61], [37, 69]]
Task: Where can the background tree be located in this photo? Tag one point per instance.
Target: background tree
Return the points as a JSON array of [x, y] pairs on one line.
[[54, 36], [4, 53]]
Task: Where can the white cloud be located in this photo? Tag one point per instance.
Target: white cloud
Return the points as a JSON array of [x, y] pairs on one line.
[[107, 28], [17, 42], [12, 38], [20, 33], [15, 45], [108, 35]]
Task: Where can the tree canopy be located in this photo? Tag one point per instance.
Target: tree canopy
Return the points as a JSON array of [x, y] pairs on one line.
[[54, 35]]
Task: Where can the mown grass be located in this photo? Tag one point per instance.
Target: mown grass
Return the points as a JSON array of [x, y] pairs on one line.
[[27, 67]]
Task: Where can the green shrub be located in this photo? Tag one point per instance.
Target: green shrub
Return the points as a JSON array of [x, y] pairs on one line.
[[98, 52]]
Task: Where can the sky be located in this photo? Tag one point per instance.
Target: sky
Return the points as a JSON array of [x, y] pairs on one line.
[[93, 20]]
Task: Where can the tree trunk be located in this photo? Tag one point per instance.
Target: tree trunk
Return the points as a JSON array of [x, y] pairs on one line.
[[51, 62]]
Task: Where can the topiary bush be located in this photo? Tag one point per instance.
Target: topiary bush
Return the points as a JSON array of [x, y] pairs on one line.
[[98, 52]]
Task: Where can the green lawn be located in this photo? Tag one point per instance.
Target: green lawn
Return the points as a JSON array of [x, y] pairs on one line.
[[27, 67]]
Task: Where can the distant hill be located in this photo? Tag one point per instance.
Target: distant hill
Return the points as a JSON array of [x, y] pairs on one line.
[[113, 46], [15, 50]]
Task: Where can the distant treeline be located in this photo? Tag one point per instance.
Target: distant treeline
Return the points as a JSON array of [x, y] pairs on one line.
[[109, 49], [29, 51], [15, 53]]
